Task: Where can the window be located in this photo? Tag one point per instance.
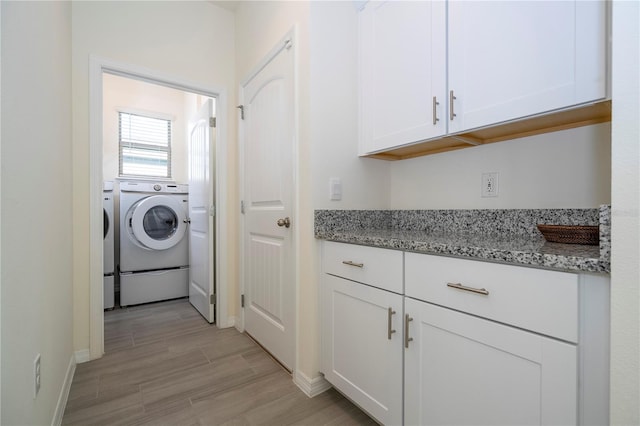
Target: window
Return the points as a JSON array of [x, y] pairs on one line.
[[145, 146]]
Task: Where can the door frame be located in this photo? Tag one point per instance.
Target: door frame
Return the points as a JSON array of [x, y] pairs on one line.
[[290, 35], [98, 66]]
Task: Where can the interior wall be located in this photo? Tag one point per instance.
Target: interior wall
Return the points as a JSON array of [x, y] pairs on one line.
[[36, 197], [333, 138], [625, 216], [334, 114], [193, 41], [125, 94], [566, 169]]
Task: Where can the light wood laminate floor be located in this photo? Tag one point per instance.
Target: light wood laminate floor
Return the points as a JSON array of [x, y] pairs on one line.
[[165, 365]]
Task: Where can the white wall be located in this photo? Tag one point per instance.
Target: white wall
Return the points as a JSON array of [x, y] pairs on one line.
[[193, 41], [36, 201], [625, 216], [334, 114], [126, 94], [566, 169]]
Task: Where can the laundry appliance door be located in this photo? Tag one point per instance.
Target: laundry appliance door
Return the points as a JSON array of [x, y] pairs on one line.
[[105, 223], [159, 222]]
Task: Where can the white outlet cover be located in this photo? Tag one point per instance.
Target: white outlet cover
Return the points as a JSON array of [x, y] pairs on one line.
[[490, 184]]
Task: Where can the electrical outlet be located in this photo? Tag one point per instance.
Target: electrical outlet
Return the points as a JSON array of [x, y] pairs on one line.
[[490, 184], [36, 376]]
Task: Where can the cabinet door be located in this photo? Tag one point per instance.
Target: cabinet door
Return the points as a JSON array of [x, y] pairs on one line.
[[402, 48], [359, 356], [512, 59], [464, 370]]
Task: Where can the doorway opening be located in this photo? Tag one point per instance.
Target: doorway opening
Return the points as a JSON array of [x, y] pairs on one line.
[[164, 164]]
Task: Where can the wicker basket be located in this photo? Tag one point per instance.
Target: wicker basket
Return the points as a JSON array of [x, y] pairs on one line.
[[571, 234]]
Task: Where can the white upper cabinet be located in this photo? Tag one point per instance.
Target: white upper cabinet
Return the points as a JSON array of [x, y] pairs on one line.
[[403, 73], [513, 59], [445, 71]]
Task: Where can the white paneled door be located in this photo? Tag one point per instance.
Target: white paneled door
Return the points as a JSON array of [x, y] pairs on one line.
[[268, 262], [201, 213]]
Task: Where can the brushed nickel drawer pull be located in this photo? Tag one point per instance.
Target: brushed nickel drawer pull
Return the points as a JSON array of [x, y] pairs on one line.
[[459, 286], [389, 330], [435, 111], [351, 263], [407, 339]]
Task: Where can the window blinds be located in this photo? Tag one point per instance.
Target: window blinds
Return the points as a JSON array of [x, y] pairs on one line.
[[145, 146]]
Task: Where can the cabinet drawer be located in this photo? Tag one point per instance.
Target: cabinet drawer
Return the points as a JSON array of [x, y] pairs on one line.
[[374, 266], [538, 300]]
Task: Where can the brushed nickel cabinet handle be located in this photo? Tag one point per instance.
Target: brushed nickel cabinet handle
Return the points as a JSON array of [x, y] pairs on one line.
[[459, 286], [451, 99], [435, 111], [391, 312], [407, 339], [350, 263]]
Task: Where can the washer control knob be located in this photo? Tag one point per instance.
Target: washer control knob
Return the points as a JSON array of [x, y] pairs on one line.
[[157, 187]]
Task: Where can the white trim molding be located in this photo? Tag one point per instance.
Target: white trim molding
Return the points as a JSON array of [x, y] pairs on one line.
[[64, 392], [83, 355], [311, 387]]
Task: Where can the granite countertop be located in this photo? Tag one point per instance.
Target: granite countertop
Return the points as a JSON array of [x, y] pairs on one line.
[[519, 249]]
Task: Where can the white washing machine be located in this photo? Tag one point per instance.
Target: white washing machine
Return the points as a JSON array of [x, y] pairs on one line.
[[108, 223], [154, 242]]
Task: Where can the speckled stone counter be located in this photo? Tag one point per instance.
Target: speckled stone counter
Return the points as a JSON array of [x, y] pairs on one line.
[[505, 236]]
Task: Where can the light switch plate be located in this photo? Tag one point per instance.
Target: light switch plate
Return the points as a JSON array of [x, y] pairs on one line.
[[335, 189]]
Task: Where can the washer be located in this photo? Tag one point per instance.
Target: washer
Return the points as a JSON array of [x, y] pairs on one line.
[[108, 246], [154, 242]]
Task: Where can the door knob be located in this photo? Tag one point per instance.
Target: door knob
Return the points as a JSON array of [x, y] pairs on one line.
[[286, 222]]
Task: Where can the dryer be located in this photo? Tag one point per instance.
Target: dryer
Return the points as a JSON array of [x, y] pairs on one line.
[[108, 244], [154, 242]]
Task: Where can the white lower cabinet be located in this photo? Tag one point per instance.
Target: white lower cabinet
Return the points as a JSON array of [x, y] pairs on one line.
[[465, 370], [467, 342], [362, 346]]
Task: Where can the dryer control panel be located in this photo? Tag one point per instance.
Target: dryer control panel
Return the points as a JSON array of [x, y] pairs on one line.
[[154, 187]]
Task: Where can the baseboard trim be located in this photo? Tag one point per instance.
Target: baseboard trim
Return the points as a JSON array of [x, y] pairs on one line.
[[64, 392], [231, 322], [311, 387], [83, 355]]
